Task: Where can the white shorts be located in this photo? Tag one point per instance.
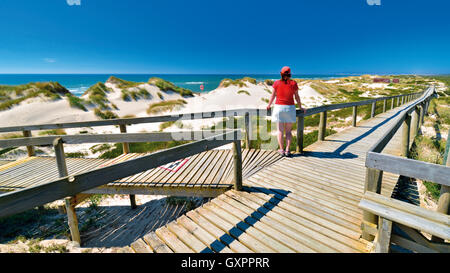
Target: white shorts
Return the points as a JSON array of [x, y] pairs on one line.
[[284, 113]]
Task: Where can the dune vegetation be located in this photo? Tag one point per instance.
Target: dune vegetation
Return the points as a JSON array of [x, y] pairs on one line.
[[122, 84], [168, 86], [163, 106], [14, 95], [239, 82]]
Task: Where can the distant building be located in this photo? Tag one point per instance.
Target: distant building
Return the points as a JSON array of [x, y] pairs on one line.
[[395, 80], [382, 80]]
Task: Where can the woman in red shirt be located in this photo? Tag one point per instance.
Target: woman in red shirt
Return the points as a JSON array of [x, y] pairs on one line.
[[284, 113]]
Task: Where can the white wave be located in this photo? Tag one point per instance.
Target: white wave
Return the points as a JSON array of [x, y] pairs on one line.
[[194, 82]]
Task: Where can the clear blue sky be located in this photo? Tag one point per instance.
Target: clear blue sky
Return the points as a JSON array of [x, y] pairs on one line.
[[233, 36]]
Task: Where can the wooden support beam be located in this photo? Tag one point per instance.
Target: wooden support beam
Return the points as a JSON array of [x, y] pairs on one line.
[[30, 149], [372, 111], [247, 130], [421, 115], [69, 201], [414, 124], [354, 115], [384, 105], [444, 198], [125, 145], [73, 221], [392, 103], [126, 150], [322, 125], [384, 236], [237, 160], [373, 183], [300, 131], [405, 135]]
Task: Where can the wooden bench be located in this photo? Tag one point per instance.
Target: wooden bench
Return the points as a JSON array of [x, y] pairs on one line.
[[391, 210]]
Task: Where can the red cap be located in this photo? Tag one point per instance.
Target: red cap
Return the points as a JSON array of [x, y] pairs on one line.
[[286, 69]]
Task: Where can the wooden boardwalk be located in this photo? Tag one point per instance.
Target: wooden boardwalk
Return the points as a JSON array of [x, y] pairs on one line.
[[307, 203], [210, 173]]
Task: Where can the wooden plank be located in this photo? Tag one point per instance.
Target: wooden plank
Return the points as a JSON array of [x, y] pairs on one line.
[[409, 208], [409, 167], [156, 244], [271, 244], [249, 241], [219, 234], [172, 241], [280, 242], [203, 235], [398, 216], [285, 234], [140, 246], [384, 236], [187, 238], [303, 225]]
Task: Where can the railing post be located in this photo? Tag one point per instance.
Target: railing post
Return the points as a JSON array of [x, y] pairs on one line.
[[372, 112], [126, 150], [70, 208], [30, 149], [322, 125], [355, 115], [247, 130], [414, 124], [374, 179], [421, 115], [444, 198], [398, 101], [125, 145], [405, 135], [384, 105], [300, 129], [392, 103], [237, 160]]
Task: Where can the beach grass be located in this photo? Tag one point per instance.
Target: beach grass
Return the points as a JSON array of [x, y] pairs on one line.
[[52, 132], [76, 102], [122, 84], [244, 92], [168, 86], [14, 95], [163, 106], [105, 114], [239, 82]]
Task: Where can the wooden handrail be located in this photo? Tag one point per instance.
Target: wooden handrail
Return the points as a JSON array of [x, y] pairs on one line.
[[21, 200], [377, 163], [439, 174], [113, 138]]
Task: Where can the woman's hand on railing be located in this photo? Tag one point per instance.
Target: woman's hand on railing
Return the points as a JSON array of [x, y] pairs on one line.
[[303, 109]]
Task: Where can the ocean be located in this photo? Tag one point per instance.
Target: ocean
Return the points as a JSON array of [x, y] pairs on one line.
[[78, 83]]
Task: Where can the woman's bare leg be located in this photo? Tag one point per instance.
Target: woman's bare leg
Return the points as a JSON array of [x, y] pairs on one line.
[[288, 129], [280, 127]]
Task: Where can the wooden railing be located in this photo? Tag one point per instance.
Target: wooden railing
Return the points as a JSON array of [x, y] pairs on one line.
[[246, 113], [379, 211], [72, 185]]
